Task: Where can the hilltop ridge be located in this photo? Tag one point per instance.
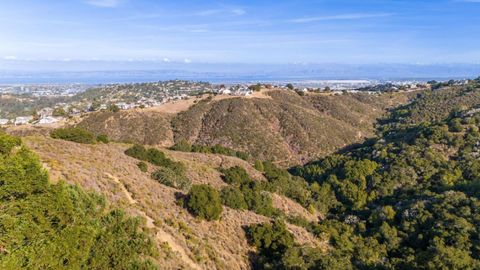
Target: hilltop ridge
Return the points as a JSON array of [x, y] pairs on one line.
[[279, 125]]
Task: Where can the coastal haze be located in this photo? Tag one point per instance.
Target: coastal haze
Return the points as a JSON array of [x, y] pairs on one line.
[[101, 72]]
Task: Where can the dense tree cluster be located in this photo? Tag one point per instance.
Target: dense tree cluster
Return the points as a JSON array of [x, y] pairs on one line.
[[45, 226], [408, 199], [245, 193], [277, 250]]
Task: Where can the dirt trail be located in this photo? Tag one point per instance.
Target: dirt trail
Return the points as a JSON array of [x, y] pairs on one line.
[[161, 235], [123, 188]]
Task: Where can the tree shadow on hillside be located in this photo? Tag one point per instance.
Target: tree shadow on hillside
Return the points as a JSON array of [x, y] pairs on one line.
[[253, 257], [180, 198]]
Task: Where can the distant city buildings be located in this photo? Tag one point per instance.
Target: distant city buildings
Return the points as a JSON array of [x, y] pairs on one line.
[[75, 99]]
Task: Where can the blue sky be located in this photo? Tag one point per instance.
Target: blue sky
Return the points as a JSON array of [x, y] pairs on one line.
[[270, 31]]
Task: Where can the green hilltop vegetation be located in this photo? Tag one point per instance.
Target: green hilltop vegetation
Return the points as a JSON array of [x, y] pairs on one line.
[[435, 105], [58, 226]]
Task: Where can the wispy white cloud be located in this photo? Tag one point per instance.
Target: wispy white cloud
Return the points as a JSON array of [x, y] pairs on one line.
[[239, 11], [353, 16], [10, 57], [220, 11], [105, 3]]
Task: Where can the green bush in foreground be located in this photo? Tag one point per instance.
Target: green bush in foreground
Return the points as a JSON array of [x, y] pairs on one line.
[[7, 143], [77, 135], [246, 193], [204, 202], [45, 226]]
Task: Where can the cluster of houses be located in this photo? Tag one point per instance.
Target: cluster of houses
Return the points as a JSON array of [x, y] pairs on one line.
[[234, 90], [44, 116], [144, 102], [45, 90], [155, 94]]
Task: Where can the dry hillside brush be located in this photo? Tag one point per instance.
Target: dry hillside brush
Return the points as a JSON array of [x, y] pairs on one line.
[[285, 127]]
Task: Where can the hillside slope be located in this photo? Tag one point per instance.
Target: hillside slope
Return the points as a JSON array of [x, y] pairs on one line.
[[184, 241], [409, 198], [60, 226], [435, 105], [285, 127], [139, 126]]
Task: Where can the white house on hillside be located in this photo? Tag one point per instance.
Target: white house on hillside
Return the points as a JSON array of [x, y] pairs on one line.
[[226, 91], [23, 120], [48, 120]]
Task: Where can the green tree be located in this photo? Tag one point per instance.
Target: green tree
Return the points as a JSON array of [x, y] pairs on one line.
[[272, 240], [233, 198], [46, 226], [236, 176], [204, 202]]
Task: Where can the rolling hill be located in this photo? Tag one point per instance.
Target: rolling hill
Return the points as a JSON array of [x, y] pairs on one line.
[[279, 125], [183, 241]]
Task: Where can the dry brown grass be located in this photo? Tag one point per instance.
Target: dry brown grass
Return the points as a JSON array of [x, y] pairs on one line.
[[271, 124], [183, 241]]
